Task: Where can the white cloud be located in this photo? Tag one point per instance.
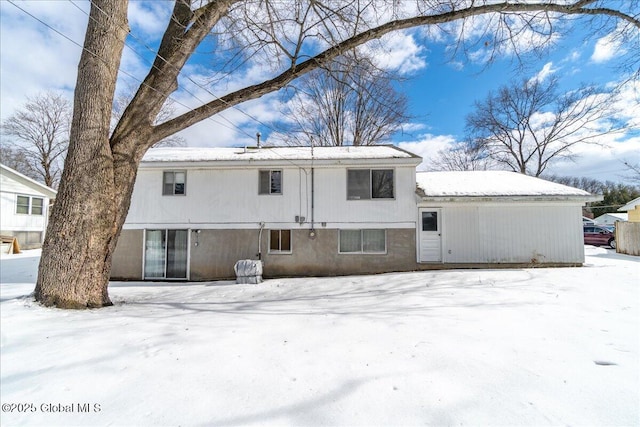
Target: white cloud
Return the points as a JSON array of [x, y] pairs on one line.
[[606, 49], [546, 71], [149, 18], [397, 52], [604, 163], [35, 58], [428, 147]]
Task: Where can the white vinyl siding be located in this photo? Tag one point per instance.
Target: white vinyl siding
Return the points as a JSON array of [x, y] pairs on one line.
[[512, 234]]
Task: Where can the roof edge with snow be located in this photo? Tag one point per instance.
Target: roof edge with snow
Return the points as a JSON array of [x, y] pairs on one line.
[[494, 186], [221, 156], [47, 191]]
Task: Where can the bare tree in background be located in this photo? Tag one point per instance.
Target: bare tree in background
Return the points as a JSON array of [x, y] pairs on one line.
[[527, 125], [349, 102], [293, 38], [167, 111], [633, 172], [464, 156], [40, 135]]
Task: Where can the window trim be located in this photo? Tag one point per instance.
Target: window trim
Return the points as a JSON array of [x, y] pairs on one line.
[[362, 251], [269, 192], [174, 172], [280, 251], [370, 196], [29, 205]]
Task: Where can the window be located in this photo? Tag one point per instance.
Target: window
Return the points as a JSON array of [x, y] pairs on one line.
[[280, 241], [165, 254], [36, 206], [365, 184], [29, 205], [174, 183], [363, 241], [430, 221], [270, 182]]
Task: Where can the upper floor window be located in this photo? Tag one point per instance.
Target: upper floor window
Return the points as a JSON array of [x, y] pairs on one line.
[[29, 205], [174, 183], [270, 182], [364, 184]]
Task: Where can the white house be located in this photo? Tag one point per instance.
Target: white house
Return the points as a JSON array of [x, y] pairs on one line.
[[497, 217], [611, 218], [335, 211], [24, 204], [327, 210]]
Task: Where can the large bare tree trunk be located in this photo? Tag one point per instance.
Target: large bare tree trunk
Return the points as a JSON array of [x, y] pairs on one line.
[[77, 251]]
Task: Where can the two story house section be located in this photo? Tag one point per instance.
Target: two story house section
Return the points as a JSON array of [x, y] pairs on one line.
[[301, 210], [24, 204]]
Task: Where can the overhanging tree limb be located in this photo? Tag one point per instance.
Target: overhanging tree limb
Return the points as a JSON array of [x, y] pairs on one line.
[[258, 90]]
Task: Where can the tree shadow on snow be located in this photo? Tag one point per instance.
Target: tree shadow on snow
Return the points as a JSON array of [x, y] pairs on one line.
[[385, 295]]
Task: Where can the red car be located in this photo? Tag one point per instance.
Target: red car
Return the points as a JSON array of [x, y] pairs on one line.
[[599, 236]]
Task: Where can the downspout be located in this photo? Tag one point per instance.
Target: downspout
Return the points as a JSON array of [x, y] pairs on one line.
[[312, 232], [260, 241]]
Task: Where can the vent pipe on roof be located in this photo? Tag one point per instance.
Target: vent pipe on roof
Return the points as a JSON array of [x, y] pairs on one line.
[[258, 138]]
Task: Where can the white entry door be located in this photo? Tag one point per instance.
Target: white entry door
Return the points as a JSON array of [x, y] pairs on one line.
[[430, 235]]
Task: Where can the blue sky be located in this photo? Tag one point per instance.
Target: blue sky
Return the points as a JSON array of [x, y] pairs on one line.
[[441, 92]]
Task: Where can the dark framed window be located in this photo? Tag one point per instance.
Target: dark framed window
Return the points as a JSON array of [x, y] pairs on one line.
[[174, 183], [29, 205], [370, 241], [430, 221], [366, 184], [270, 182], [280, 241]]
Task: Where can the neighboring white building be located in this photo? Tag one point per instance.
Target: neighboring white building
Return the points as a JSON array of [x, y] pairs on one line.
[[334, 211], [611, 218], [24, 207], [496, 217]]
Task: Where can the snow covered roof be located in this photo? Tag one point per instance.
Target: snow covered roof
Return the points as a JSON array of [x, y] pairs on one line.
[[630, 206], [29, 182], [492, 184], [210, 154]]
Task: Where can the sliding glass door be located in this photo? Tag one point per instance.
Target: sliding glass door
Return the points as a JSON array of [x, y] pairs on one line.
[[165, 254]]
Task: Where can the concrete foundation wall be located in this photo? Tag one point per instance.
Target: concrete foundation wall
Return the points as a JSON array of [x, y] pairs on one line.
[[319, 256], [213, 253], [127, 258]]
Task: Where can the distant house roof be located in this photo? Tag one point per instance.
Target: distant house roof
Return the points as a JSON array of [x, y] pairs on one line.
[[29, 182], [612, 216], [630, 206], [278, 154], [494, 184]]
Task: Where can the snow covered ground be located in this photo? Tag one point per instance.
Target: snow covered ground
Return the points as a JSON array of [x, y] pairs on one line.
[[463, 347]]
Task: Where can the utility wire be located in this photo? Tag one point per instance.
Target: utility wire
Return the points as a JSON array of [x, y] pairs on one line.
[[150, 49], [120, 69]]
